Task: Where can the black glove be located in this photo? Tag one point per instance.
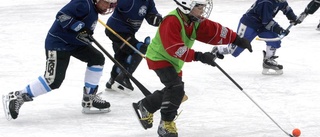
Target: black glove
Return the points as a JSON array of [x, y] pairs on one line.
[[154, 19], [299, 20], [207, 58], [279, 30], [85, 34], [242, 43], [284, 32], [85, 30]]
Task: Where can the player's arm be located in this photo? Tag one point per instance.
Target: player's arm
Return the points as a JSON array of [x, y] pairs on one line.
[[214, 33], [68, 16], [170, 34], [312, 7]]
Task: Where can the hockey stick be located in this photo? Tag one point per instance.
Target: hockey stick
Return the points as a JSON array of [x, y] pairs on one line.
[[125, 41], [274, 39], [143, 89], [234, 82]]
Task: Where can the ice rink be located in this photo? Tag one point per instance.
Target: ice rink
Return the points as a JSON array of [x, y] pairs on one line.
[[216, 107]]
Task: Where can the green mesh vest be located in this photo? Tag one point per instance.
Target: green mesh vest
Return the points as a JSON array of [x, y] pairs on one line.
[[156, 52]]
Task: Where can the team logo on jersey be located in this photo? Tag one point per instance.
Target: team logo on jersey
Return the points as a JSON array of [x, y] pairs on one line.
[[63, 18], [224, 32], [142, 11], [181, 51]]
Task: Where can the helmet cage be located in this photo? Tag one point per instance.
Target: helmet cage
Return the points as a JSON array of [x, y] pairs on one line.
[[187, 5]]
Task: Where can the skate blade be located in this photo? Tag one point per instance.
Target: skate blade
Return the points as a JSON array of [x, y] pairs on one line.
[[119, 88], [136, 109], [272, 72], [95, 111], [109, 89], [5, 103]]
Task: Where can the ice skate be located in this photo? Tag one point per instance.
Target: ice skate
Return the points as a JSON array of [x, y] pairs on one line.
[[13, 102], [145, 118], [270, 66], [167, 129], [109, 85], [122, 84], [92, 103]]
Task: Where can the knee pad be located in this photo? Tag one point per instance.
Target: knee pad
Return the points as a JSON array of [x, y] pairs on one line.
[[174, 94], [171, 102]]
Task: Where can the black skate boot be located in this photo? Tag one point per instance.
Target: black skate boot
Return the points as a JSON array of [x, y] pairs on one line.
[[93, 100], [13, 102], [109, 84], [270, 66], [122, 83], [145, 118], [167, 129]]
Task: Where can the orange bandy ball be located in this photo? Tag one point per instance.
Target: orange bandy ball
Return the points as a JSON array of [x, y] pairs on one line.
[[296, 132]]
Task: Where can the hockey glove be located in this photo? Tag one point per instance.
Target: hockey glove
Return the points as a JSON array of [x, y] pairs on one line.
[[299, 20], [86, 33], [207, 58], [154, 19], [83, 32], [215, 52], [86, 30], [277, 29], [285, 32], [242, 43]]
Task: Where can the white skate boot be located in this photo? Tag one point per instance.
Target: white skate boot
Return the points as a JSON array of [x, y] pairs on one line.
[[270, 66]]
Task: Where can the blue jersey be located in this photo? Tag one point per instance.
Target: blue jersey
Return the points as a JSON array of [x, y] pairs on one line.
[[129, 15], [60, 35], [262, 12]]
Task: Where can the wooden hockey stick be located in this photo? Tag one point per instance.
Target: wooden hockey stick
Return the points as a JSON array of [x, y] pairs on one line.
[[274, 39], [125, 41]]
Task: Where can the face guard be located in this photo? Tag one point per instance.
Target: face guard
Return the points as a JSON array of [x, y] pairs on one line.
[[186, 7], [102, 10]]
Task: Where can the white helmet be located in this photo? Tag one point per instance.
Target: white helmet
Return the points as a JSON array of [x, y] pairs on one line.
[[187, 5]]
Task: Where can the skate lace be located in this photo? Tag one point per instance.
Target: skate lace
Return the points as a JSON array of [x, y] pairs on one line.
[[18, 103], [148, 118], [272, 61], [170, 126], [97, 99]]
